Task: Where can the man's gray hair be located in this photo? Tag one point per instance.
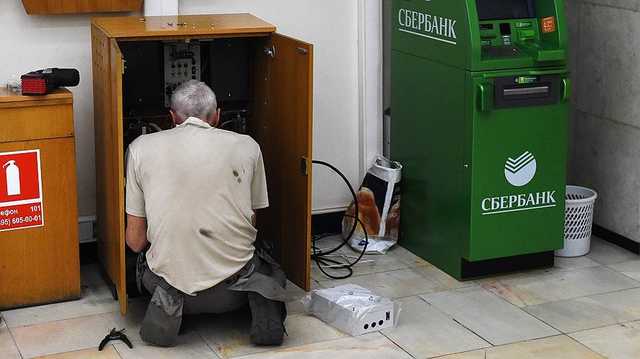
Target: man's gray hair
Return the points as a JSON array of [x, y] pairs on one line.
[[194, 99]]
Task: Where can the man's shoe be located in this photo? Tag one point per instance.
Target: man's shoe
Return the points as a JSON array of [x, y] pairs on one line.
[[267, 320]]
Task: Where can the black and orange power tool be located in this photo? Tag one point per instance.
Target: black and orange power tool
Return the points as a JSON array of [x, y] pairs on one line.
[[42, 82]]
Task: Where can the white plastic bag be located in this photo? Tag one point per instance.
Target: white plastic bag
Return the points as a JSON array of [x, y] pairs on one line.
[[378, 208], [352, 309]]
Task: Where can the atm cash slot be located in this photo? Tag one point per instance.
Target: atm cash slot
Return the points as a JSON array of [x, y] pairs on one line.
[[527, 91], [509, 92]]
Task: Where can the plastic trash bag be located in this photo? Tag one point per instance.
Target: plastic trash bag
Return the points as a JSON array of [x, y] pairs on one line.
[[378, 208]]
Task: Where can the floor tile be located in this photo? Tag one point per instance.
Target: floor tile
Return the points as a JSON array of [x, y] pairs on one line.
[[295, 295], [370, 346], [425, 332], [548, 348], [405, 256], [575, 263], [62, 336], [606, 253], [375, 263], [109, 352], [490, 317], [190, 345], [620, 341], [630, 268], [403, 283], [96, 299], [76, 333], [553, 285], [8, 347], [590, 312], [228, 334]]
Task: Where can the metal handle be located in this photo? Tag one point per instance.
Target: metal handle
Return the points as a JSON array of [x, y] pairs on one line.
[[524, 91], [566, 89], [484, 97]]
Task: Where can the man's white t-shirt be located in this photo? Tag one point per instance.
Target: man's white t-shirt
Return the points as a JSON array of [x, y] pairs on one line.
[[197, 186]]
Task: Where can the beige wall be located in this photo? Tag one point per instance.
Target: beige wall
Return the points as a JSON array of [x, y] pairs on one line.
[[605, 149]]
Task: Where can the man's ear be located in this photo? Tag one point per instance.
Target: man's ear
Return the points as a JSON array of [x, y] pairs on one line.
[[215, 118], [174, 118]]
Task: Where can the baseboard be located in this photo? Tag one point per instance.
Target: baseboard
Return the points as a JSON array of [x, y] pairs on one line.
[[326, 223], [88, 253], [471, 270], [617, 239]]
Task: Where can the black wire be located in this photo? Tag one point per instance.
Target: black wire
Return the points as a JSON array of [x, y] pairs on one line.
[[320, 256]]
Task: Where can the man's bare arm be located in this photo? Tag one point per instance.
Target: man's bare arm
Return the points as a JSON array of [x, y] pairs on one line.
[[136, 234]]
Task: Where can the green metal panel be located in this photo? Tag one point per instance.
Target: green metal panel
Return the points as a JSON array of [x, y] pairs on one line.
[[437, 30], [484, 176], [513, 219], [429, 140], [450, 32]]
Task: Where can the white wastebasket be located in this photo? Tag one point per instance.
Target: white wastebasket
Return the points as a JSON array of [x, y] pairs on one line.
[[578, 221]]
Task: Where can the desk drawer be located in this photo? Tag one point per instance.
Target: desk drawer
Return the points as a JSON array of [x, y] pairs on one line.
[[35, 123]]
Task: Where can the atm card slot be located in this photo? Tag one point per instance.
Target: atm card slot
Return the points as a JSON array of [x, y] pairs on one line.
[[544, 91], [527, 91]]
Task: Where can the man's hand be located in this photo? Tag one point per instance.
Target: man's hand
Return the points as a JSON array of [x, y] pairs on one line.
[[136, 234]]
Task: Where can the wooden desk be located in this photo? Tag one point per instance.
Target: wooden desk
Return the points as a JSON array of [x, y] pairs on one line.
[[41, 264]]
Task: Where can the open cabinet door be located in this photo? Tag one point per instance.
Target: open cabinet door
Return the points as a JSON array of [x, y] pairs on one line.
[[107, 92], [283, 128]]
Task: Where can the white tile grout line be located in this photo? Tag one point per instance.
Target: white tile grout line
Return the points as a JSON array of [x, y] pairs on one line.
[[486, 350], [65, 318], [456, 321], [603, 326], [13, 339], [116, 350], [207, 344], [585, 346], [566, 300], [511, 304], [398, 345]]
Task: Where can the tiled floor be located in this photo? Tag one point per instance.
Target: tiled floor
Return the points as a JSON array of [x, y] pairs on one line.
[[585, 307]]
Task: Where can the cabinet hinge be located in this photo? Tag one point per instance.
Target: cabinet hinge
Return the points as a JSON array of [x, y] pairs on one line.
[[270, 51], [304, 166]]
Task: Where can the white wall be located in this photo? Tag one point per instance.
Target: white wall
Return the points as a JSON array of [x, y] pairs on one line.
[[33, 42], [332, 26]]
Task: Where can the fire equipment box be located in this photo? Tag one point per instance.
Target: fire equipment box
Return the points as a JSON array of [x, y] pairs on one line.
[[39, 256], [480, 95], [264, 83]]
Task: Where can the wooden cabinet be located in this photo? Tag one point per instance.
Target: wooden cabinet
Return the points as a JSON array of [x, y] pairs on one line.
[[252, 69], [40, 262], [52, 7]]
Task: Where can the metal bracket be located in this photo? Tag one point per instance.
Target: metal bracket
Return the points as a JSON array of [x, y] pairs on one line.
[[270, 51]]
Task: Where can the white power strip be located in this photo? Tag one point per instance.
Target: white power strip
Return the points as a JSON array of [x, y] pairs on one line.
[[352, 309]]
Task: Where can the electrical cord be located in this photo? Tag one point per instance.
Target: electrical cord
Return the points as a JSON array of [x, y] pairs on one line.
[[321, 256]]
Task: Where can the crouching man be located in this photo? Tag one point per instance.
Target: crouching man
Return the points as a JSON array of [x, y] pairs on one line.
[[191, 193]]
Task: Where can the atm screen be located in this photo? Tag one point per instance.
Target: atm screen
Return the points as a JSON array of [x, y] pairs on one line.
[[505, 9]]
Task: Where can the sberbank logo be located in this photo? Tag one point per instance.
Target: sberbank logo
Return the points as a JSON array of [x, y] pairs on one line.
[[430, 26], [520, 171]]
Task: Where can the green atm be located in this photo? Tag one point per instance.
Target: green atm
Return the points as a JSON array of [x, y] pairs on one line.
[[480, 106]]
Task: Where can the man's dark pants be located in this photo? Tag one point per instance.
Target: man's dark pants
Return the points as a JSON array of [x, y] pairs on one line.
[[261, 283]]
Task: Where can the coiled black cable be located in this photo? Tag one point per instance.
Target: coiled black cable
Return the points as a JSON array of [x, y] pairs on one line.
[[320, 257]]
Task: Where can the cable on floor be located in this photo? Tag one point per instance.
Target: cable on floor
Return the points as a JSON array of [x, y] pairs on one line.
[[323, 257]]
